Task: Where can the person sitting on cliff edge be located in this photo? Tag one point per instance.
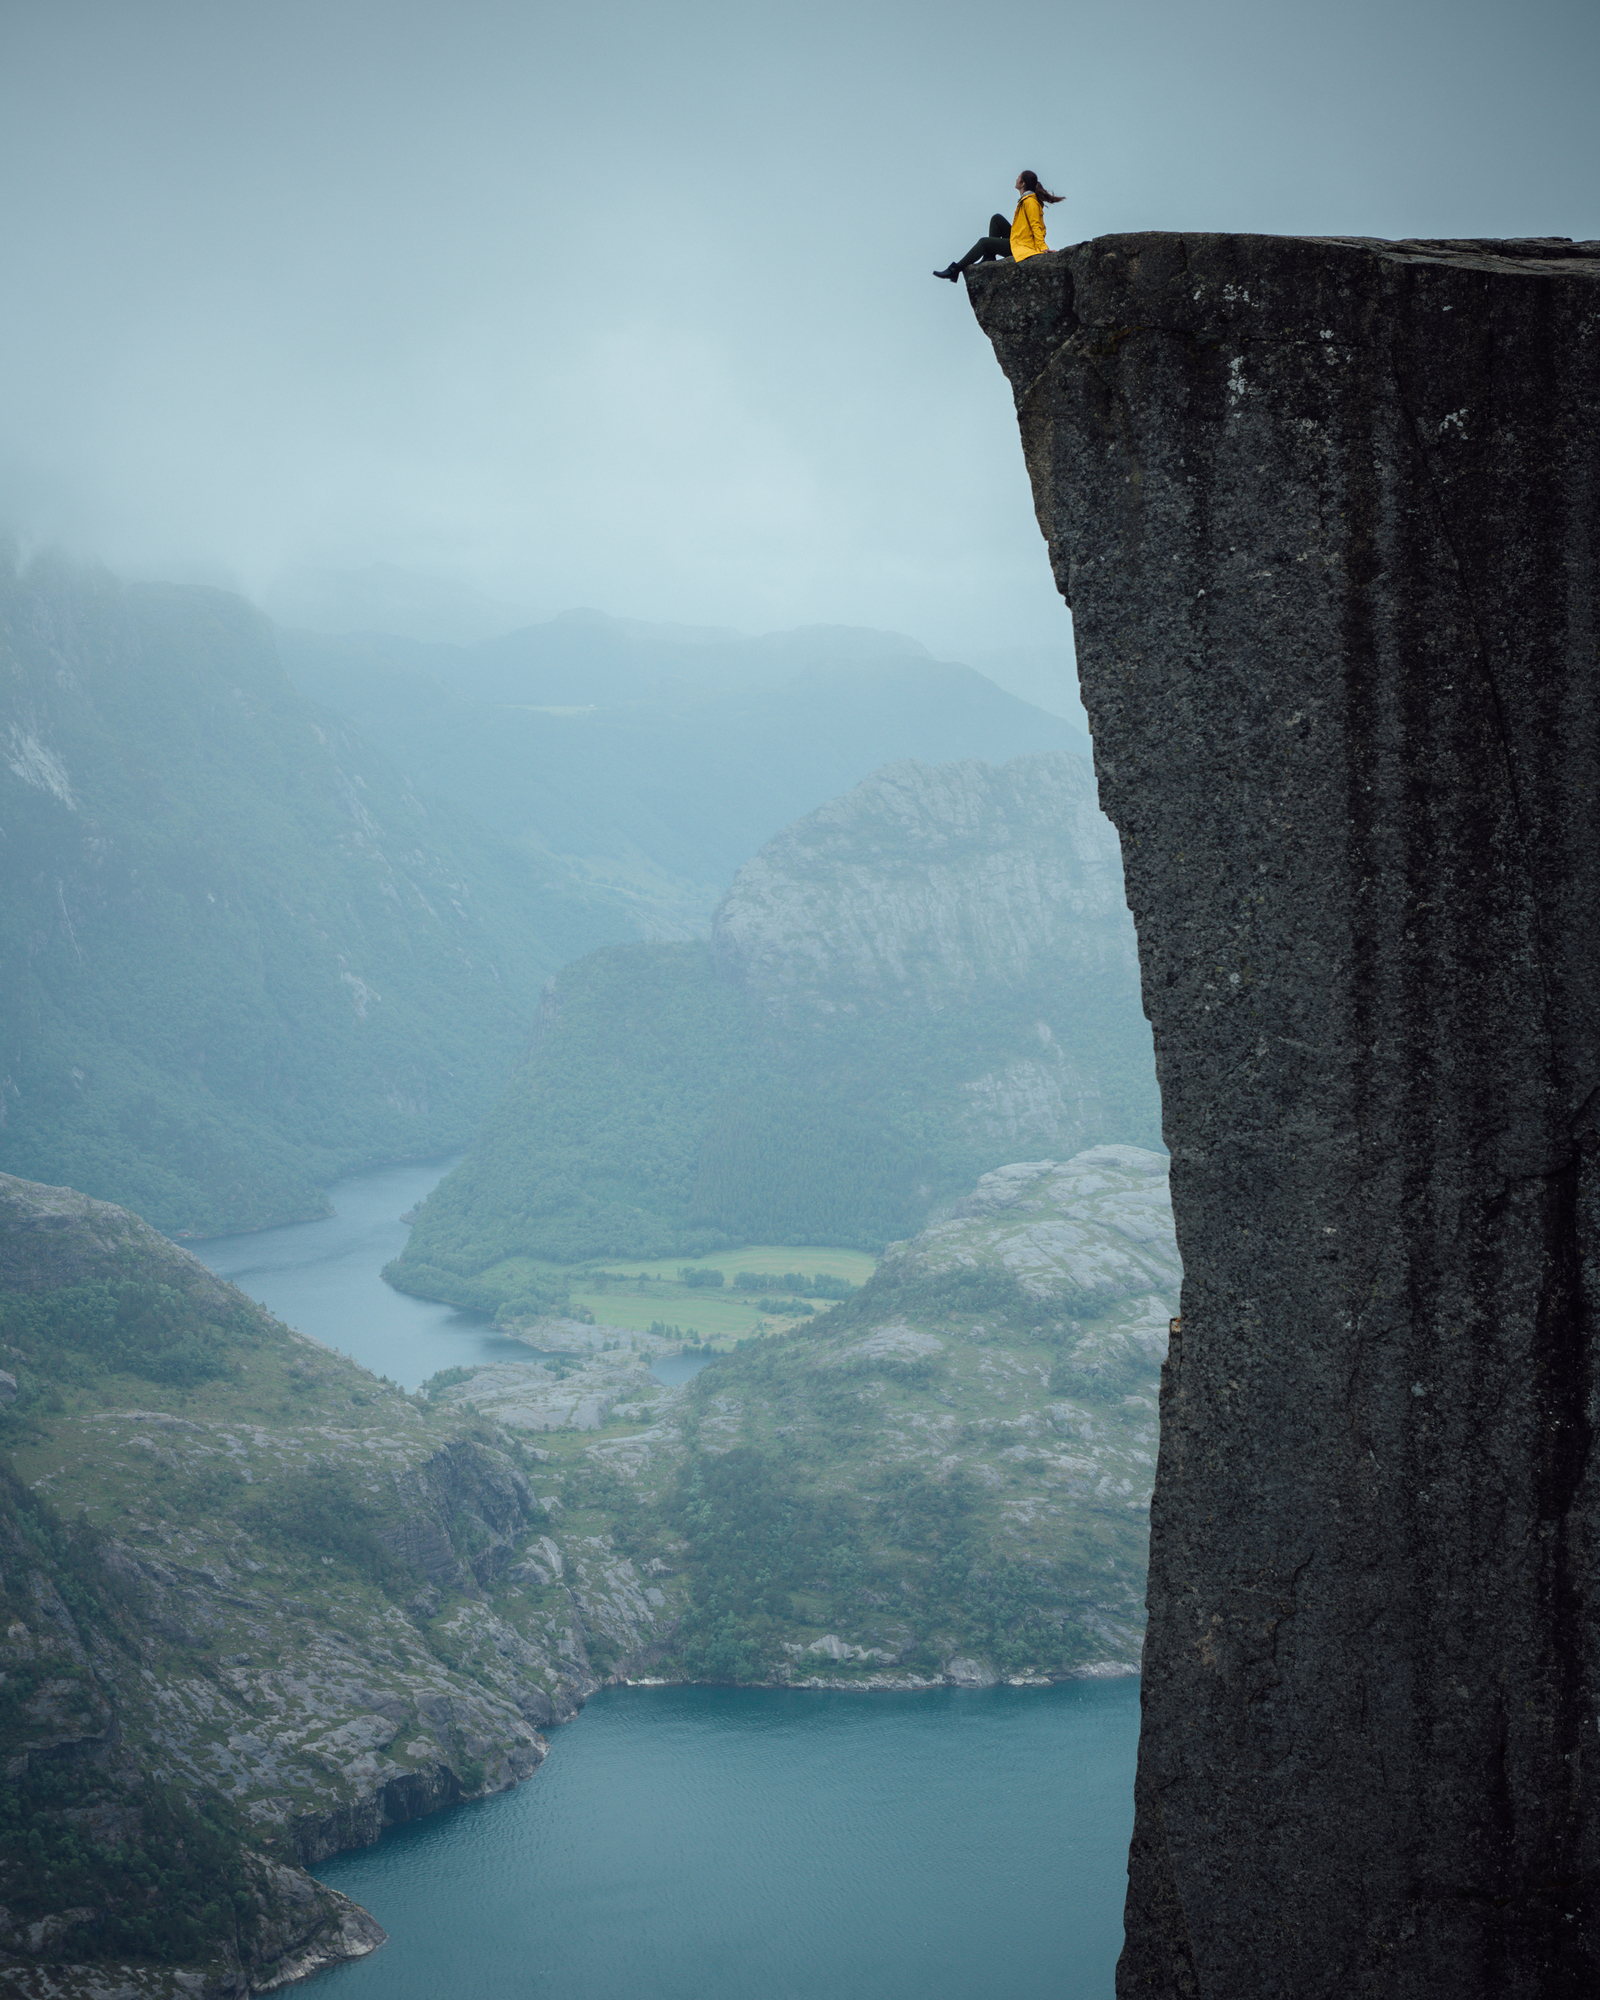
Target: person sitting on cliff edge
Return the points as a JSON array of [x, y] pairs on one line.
[[1025, 237]]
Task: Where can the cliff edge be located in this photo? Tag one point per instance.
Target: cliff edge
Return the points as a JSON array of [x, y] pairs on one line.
[[1327, 512]]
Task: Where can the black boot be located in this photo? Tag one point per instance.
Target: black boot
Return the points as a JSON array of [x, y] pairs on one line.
[[950, 271]]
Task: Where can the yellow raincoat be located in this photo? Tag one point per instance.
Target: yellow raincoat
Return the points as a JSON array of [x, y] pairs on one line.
[[1027, 229]]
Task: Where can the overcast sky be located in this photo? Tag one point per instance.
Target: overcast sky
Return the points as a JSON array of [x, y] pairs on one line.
[[629, 306]]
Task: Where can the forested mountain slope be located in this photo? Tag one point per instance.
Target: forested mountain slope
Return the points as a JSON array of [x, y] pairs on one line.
[[241, 953], [912, 985], [657, 759]]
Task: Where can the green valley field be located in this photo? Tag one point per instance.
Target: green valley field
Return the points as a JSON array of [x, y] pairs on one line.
[[637, 1296]]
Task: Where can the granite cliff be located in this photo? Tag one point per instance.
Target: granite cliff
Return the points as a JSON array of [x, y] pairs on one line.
[[1326, 515]]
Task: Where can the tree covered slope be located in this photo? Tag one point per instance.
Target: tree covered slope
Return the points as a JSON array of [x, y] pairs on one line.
[[921, 980], [241, 953]]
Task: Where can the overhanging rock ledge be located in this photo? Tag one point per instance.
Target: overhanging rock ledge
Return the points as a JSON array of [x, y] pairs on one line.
[[1328, 515]]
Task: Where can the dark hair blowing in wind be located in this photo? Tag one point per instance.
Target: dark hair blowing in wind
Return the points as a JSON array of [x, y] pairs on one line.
[[1030, 185]]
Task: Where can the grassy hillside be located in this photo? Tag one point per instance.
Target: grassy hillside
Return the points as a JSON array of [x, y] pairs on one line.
[[257, 1606], [656, 1117], [242, 955], [888, 1009]]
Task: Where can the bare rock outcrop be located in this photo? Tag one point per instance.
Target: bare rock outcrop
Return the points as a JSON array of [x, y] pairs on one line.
[[923, 882], [1328, 516], [929, 889]]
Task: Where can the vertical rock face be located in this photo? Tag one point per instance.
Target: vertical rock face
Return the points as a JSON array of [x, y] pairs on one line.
[[1328, 517]]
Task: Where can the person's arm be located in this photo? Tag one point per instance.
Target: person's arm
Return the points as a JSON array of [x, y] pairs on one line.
[[1034, 210]]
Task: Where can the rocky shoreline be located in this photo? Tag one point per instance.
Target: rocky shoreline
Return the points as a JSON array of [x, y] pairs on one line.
[[975, 1675]]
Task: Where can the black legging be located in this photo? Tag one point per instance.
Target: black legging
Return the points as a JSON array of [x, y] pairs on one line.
[[987, 248]]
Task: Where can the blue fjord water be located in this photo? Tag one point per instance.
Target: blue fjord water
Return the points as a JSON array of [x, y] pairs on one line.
[[724, 1843], [729, 1843]]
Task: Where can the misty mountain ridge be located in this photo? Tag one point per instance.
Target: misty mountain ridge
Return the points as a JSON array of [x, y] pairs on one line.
[[385, 597], [587, 658], [243, 953], [653, 761], [387, 600], [251, 952]]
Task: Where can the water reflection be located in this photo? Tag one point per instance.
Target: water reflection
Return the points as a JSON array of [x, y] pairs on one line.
[[675, 1368]]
